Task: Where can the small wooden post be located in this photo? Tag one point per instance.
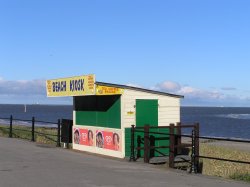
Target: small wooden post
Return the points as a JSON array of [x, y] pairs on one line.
[[171, 144], [33, 130], [146, 144], [11, 123], [58, 133], [132, 153]]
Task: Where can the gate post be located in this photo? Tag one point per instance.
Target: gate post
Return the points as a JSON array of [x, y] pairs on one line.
[[171, 145], [152, 143], [193, 167], [178, 138], [11, 121], [132, 153], [138, 146], [197, 146], [146, 144], [33, 130], [58, 133]]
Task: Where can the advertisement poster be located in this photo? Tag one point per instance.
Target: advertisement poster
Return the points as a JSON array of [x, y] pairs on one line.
[[97, 138], [72, 86], [83, 137], [108, 140]]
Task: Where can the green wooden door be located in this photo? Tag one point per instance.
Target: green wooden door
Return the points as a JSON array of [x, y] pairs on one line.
[[146, 112]]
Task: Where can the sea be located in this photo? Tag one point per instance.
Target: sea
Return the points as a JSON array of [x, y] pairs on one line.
[[46, 113], [229, 122], [225, 122]]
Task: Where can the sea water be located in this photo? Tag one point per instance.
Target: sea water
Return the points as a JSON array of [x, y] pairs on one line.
[[47, 113], [232, 122]]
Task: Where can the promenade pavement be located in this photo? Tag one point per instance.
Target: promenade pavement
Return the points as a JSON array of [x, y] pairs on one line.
[[26, 164]]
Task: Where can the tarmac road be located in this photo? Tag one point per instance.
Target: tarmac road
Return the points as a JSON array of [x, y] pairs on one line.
[[25, 164]]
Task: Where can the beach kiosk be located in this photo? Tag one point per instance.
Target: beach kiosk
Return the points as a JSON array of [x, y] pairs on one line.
[[103, 113]]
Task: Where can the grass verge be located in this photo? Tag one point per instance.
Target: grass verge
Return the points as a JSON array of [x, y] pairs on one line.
[[225, 169], [242, 177], [24, 132]]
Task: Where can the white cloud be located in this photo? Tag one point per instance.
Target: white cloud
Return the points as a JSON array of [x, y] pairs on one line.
[[187, 91], [27, 91], [22, 87], [32, 91], [199, 93], [204, 97], [167, 86]]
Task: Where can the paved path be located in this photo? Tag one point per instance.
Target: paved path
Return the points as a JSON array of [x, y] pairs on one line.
[[24, 164]]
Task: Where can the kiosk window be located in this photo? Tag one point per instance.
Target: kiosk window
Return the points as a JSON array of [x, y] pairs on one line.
[[102, 111]]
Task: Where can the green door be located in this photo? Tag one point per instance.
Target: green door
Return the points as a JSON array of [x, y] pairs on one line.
[[146, 112]]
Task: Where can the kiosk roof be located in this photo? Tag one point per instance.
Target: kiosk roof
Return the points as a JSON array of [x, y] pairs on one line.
[[137, 89]]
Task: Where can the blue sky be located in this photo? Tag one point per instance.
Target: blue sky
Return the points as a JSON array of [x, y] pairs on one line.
[[199, 49]]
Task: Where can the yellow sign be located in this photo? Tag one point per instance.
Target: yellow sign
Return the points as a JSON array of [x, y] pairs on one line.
[[106, 90], [130, 113], [72, 86]]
